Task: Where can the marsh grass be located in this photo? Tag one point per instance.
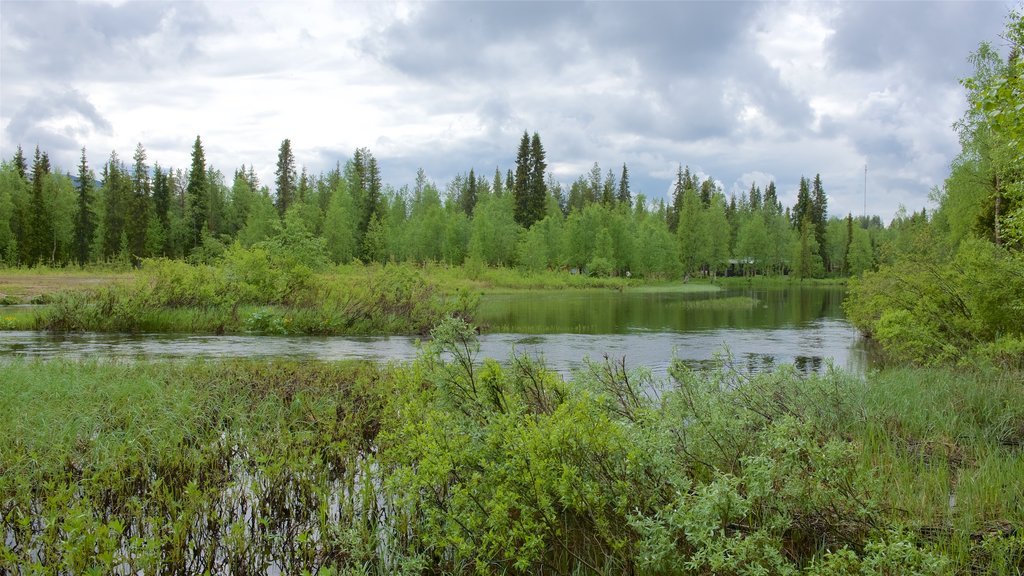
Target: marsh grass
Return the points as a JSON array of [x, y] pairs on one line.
[[169, 296], [456, 464]]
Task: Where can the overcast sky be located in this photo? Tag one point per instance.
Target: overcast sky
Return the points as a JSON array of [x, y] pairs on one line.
[[739, 91]]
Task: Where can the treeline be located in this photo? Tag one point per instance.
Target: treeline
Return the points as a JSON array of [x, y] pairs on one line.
[[953, 287], [523, 217]]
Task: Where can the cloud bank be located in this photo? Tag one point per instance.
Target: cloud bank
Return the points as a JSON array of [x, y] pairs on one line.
[[740, 91]]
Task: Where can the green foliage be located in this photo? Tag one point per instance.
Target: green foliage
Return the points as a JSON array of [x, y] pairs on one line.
[[263, 289], [929, 312], [457, 464]]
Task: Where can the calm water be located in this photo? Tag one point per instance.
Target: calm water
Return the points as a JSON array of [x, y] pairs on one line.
[[800, 326]]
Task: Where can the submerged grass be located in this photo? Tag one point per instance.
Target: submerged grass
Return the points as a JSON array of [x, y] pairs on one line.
[[451, 464]]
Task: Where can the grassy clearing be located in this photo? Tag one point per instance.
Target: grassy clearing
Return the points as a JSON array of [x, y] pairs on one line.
[[452, 464], [37, 285]]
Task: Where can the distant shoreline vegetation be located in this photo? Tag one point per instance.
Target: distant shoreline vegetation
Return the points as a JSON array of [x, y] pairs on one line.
[[521, 218]]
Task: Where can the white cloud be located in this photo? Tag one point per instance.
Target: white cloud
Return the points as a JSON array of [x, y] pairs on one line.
[[736, 91]]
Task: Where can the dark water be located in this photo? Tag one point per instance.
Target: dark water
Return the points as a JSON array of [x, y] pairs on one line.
[[800, 326]]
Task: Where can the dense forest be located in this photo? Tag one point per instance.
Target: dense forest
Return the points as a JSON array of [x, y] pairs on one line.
[[522, 217]]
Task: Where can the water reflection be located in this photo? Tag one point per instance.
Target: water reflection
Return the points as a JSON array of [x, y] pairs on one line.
[[809, 347], [799, 326]]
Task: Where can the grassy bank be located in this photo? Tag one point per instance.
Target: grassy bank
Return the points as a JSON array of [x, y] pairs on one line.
[[453, 464], [253, 291]]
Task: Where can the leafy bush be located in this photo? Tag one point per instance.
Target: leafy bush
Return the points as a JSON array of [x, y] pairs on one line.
[[926, 311]]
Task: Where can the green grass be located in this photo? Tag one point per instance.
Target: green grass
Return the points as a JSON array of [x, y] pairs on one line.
[[196, 466]]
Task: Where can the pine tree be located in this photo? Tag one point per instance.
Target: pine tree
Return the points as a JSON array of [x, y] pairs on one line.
[[285, 177], [538, 180], [624, 196], [85, 224], [197, 196]]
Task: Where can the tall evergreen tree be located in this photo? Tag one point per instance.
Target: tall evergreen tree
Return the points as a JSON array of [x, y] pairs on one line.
[[39, 230], [161, 194], [20, 165], [624, 196], [198, 202], [755, 197], [138, 208], [285, 177], [538, 180], [496, 184], [520, 191], [803, 207], [771, 199], [85, 224], [608, 189], [819, 215], [116, 192], [468, 197]]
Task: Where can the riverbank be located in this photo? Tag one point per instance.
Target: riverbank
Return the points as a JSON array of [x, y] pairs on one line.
[[431, 465], [250, 292]]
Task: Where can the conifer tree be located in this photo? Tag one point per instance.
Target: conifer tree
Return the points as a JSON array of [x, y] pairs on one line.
[[285, 177], [138, 207], [468, 198], [85, 224], [538, 179], [819, 214], [197, 198], [20, 164], [624, 196], [803, 208], [116, 191], [496, 184], [39, 224], [771, 199], [520, 191]]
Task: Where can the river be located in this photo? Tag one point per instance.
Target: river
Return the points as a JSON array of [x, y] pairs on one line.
[[758, 329]]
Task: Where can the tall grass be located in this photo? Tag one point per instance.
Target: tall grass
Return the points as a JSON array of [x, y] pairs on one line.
[[457, 464]]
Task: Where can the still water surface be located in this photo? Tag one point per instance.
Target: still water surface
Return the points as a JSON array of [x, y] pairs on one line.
[[800, 326]]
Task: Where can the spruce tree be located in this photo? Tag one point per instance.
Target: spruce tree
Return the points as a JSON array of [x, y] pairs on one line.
[[521, 189], [39, 224], [803, 208], [771, 199], [682, 182], [85, 224], [285, 177], [496, 185], [538, 180], [138, 208], [624, 196], [468, 198], [819, 214], [19, 163], [197, 198], [116, 190]]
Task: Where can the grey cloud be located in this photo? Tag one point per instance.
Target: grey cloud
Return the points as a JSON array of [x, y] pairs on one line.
[[92, 40], [31, 124], [927, 38]]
